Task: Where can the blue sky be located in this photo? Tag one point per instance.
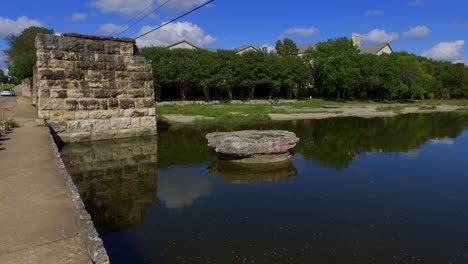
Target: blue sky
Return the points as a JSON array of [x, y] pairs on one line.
[[433, 28]]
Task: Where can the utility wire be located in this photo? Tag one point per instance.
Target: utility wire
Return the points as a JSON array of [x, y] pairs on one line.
[[143, 16], [138, 15], [177, 18]]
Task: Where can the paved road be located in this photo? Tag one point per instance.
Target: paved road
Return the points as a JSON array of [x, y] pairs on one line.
[[9, 102]]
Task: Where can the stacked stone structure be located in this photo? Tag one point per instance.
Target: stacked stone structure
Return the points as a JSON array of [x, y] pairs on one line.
[[94, 88]]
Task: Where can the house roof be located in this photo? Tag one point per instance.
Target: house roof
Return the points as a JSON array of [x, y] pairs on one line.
[[303, 48], [373, 49], [365, 49], [244, 48], [183, 41]]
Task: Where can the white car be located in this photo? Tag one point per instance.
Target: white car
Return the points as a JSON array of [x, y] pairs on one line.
[[7, 92]]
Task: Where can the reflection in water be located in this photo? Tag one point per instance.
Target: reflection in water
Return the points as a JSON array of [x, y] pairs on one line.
[[116, 179], [180, 191], [237, 173], [345, 200], [332, 142]]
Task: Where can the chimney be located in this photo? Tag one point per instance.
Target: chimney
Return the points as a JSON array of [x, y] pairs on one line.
[[357, 40]]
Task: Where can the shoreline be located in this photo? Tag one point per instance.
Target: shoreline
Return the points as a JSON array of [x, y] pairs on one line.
[[362, 111]]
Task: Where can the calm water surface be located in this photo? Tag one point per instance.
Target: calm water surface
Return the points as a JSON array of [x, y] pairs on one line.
[[391, 190]]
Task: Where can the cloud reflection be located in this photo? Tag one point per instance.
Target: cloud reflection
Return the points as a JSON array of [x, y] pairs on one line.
[[181, 191]]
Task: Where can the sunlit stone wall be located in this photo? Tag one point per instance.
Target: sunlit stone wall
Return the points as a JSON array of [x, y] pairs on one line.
[[94, 88]]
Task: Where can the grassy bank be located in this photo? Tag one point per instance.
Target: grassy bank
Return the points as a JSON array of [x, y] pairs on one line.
[[235, 111]]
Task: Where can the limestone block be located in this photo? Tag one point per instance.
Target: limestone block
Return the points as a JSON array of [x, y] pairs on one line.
[[114, 93], [57, 54], [126, 103], [122, 75], [93, 76], [71, 44], [126, 48], [149, 102], [73, 74], [82, 93], [94, 46], [101, 125], [44, 93], [107, 76], [79, 126], [46, 42], [54, 93], [142, 76], [68, 115], [50, 104], [113, 103], [77, 137], [43, 114], [148, 121], [107, 134], [71, 105], [121, 123], [46, 74], [136, 93], [152, 111], [101, 93], [89, 104], [111, 47], [145, 131], [123, 133], [80, 115], [57, 126], [135, 122], [102, 114], [149, 93], [56, 115], [134, 113]]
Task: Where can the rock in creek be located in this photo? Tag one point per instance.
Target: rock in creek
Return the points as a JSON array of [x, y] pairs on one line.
[[253, 146]]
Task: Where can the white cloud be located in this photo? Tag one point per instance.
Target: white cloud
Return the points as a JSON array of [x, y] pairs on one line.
[[8, 26], [110, 28], [417, 32], [3, 66], [269, 48], [416, 2], [374, 13], [132, 7], [443, 141], [173, 33], [302, 32], [379, 35], [77, 17], [450, 51]]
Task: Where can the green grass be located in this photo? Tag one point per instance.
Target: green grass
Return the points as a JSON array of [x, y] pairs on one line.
[[217, 110], [7, 86], [454, 102]]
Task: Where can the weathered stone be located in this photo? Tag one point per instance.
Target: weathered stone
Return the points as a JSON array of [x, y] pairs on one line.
[[74, 75], [71, 44], [148, 121], [121, 123], [126, 103], [113, 103], [256, 145], [72, 105], [46, 74], [84, 80], [79, 126], [57, 126], [58, 93]]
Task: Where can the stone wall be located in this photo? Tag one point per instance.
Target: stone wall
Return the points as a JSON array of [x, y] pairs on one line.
[[94, 88], [26, 87]]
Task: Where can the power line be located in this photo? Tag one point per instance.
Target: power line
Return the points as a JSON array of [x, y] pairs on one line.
[[127, 27], [177, 18]]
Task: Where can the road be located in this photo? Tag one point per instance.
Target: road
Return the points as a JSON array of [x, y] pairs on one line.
[[8, 102]]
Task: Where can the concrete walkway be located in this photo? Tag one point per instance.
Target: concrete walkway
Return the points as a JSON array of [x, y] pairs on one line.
[[37, 221]]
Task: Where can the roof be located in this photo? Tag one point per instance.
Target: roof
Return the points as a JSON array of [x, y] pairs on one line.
[[303, 48], [372, 49], [365, 49], [244, 48], [183, 41]]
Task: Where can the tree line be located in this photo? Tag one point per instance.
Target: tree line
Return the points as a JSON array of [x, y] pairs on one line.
[[335, 69]]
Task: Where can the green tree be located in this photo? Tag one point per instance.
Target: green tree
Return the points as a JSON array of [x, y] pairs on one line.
[[22, 52], [286, 48], [3, 77], [335, 63]]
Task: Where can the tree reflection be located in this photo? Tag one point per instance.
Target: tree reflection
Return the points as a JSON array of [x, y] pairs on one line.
[[116, 179]]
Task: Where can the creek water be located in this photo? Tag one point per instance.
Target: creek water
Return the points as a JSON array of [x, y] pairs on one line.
[[384, 190]]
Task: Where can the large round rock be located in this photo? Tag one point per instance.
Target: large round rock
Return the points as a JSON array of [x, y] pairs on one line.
[[253, 146]]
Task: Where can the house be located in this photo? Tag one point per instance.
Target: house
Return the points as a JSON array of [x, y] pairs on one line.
[[375, 49], [182, 45], [187, 45]]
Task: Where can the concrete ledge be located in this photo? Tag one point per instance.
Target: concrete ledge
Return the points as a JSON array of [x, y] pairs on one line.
[[90, 236]]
